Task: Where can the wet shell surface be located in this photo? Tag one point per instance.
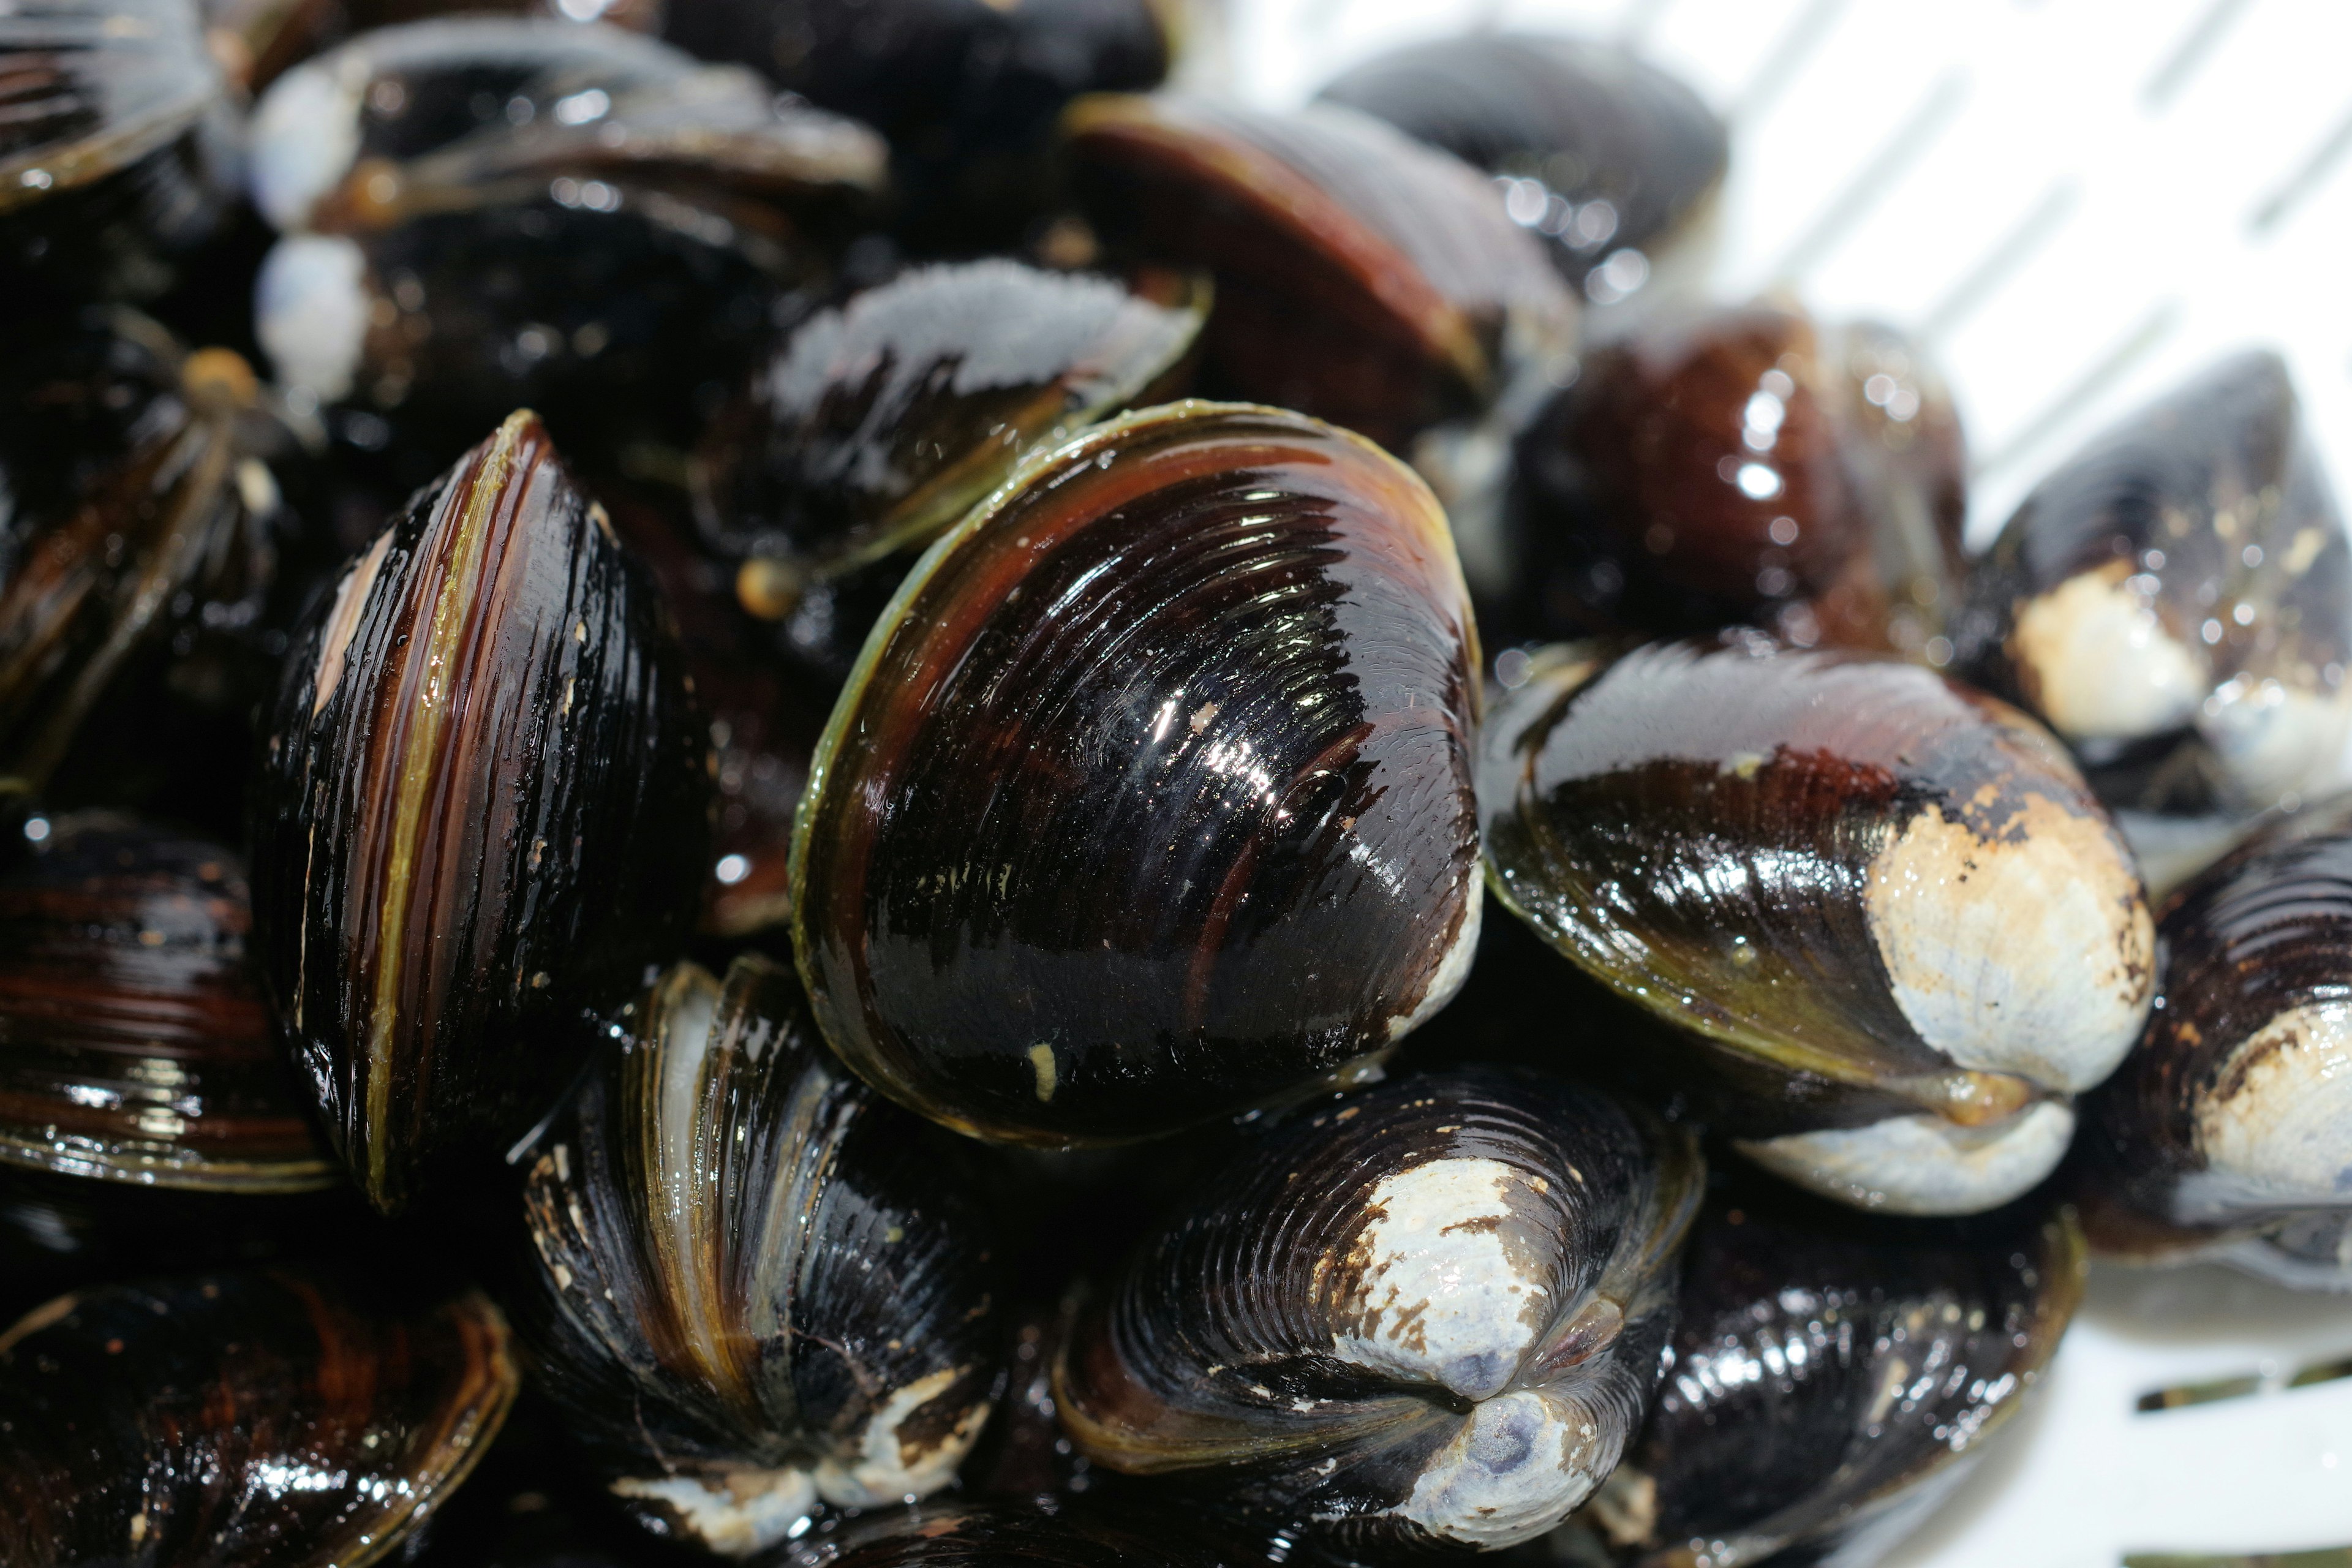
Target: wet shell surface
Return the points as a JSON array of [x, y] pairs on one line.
[[2229, 1128], [133, 1043], [1361, 277], [2176, 603], [481, 815], [758, 1287], [1833, 1376], [1150, 798], [264, 1417], [1606, 154], [879, 423], [1890, 896], [1424, 1316], [959, 1534], [1747, 464]]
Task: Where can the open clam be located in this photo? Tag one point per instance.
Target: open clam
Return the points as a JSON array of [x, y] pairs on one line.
[[1148, 798]]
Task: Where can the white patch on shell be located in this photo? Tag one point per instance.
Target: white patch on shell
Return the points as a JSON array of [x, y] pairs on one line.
[[734, 1514], [2275, 740], [1452, 970], [2100, 663], [883, 1471], [310, 312], [2033, 956], [303, 138], [344, 622], [2283, 1134], [1924, 1164], [1439, 1298], [1520, 1465]]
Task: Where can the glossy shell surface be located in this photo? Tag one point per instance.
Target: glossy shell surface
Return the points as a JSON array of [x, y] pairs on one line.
[[481, 813], [1361, 277], [1421, 1318], [2232, 1117], [133, 1043], [243, 1417], [1874, 885], [960, 1534], [1150, 798], [759, 1287], [1614, 154]]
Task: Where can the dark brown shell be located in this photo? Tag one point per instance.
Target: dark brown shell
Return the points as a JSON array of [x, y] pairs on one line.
[[879, 424], [1426, 1317], [115, 154], [1833, 1377], [1150, 798], [957, 1534], [1361, 277], [133, 1043], [1612, 153], [2227, 1128], [2176, 602], [1745, 464], [757, 1286], [242, 1418], [1850, 874], [481, 813]]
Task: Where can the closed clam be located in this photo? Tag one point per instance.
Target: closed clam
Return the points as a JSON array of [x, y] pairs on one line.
[[116, 153], [1884, 904], [2175, 601], [1832, 1377], [879, 423], [2227, 1131], [481, 812], [1361, 277], [133, 1043], [1148, 798], [755, 1286], [1746, 464], [294, 1418], [1609, 159], [1422, 1318]]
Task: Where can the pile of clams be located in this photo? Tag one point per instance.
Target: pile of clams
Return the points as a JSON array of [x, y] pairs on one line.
[[812, 783]]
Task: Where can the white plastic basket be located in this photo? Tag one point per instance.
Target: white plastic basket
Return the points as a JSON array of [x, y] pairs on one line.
[[2078, 202]]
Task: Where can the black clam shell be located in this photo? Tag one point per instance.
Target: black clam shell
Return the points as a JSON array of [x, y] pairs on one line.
[[2227, 1122], [1620, 155], [481, 813], [1868, 887], [960, 1534], [1150, 798], [755, 1286], [1422, 1318], [262, 1417], [1833, 1376]]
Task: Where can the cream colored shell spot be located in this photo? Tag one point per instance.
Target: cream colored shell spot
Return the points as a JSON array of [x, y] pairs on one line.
[[889, 1467], [1924, 1164], [734, 1514], [2098, 662], [2030, 954], [1435, 1294], [2280, 1127], [1519, 1465]]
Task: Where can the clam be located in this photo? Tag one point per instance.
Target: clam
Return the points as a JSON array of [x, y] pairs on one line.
[[143, 518], [2228, 1130], [1608, 158], [1832, 1377], [133, 1043], [1428, 1316], [468, 109], [2176, 602], [1745, 463], [1361, 277], [117, 149], [1884, 906], [480, 814], [757, 1287], [1148, 798], [959, 1534], [242, 1416], [879, 423]]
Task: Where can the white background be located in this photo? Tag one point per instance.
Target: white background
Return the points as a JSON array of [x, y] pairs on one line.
[[2079, 202]]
